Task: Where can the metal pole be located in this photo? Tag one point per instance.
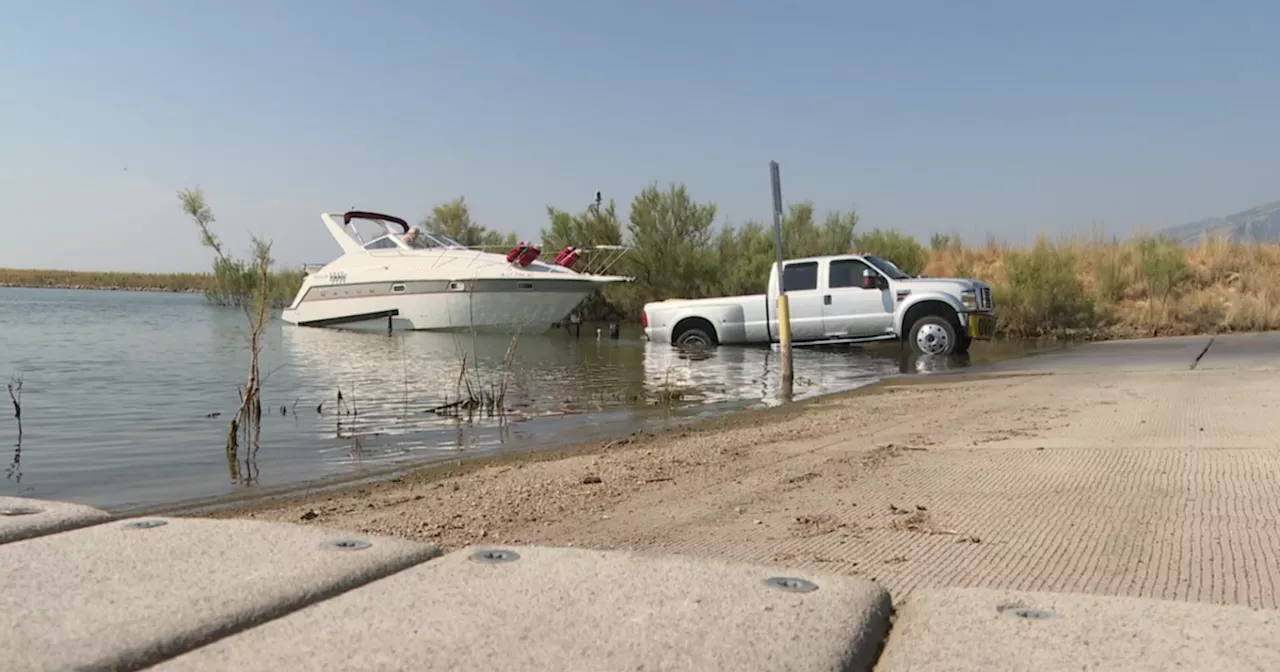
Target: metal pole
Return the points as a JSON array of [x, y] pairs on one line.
[[784, 308]]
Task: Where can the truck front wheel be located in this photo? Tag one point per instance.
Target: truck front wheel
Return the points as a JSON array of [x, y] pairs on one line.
[[933, 335]]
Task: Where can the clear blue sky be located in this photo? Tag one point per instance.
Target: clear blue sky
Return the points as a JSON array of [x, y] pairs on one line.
[[1002, 118]]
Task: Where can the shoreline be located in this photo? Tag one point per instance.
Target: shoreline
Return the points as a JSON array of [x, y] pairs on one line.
[[453, 468], [747, 415], [1070, 472], [762, 424]]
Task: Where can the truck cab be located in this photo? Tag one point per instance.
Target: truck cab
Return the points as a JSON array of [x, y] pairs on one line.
[[846, 298]]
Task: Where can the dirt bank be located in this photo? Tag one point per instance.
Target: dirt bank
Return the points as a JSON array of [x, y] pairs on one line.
[[1148, 483]]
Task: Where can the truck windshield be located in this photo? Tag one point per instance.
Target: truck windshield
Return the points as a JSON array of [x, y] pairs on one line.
[[887, 268]]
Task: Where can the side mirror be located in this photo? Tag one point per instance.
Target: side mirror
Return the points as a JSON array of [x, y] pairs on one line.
[[870, 280]]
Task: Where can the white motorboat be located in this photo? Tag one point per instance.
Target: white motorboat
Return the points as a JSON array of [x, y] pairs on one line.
[[407, 278]]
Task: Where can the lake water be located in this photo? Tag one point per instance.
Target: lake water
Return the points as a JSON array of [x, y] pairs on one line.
[[126, 396]]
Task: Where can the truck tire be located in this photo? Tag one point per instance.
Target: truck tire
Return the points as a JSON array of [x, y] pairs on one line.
[[962, 344], [933, 335], [695, 337]]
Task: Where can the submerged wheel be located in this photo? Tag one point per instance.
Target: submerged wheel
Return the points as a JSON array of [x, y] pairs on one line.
[[694, 332], [694, 336], [962, 344], [933, 335]]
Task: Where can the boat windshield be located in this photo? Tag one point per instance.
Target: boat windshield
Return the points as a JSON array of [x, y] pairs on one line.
[[421, 239], [887, 267], [445, 241]]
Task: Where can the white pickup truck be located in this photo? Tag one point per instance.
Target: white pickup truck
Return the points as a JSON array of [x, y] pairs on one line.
[[847, 298]]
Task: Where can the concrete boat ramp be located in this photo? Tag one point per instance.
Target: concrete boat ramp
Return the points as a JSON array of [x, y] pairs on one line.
[[84, 590]]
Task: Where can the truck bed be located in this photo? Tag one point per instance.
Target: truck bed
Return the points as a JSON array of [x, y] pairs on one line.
[[737, 319]]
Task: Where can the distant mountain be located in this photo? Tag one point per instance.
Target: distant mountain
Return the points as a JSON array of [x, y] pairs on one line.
[[1261, 224]]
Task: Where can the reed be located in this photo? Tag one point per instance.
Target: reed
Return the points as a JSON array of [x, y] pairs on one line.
[[246, 425], [475, 392]]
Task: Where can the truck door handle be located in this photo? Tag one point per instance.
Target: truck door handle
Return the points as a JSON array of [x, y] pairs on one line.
[[826, 300]]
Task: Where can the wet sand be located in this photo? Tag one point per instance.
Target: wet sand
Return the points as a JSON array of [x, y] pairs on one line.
[[1116, 469]]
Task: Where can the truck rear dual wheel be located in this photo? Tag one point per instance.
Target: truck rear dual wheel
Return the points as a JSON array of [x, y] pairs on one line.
[[695, 336], [936, 335]]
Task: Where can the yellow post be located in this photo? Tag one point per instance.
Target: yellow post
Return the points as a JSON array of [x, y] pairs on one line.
[[784, 338], [784, 308]]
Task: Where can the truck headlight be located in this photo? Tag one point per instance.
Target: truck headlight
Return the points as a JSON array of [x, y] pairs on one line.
[[969, 298]]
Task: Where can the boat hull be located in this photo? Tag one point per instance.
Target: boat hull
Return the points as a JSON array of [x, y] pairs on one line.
[[526, 310]]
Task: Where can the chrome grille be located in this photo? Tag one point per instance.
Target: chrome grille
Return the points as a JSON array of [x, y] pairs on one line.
[[984, 298]]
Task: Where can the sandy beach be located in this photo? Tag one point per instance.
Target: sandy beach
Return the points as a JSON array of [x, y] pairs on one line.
[[1136, 468]]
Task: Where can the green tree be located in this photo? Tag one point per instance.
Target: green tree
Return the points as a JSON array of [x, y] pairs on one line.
[[671, 235], [904, 251], [743, 258], [1044, 295], [804, 237], [453, 219], [593, 226], [1164, 270]]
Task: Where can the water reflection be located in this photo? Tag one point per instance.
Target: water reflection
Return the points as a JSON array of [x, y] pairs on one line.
[[754, 374], [924, 364], [393, 397], [394, 377]]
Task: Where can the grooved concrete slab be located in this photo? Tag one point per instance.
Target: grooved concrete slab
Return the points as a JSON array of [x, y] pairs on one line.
[[22, 518], [968, 629], [116, 596], [568, 609]]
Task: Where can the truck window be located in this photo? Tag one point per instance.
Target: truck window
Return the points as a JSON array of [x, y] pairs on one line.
[[846, 273], [888, 268], [800, 276]]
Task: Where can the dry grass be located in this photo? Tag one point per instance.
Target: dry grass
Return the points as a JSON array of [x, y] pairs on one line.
[[166, 282], [284, 283], [1095, 288]]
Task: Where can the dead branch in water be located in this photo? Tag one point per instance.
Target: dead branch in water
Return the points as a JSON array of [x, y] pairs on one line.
[[15, 395], [14, 470]]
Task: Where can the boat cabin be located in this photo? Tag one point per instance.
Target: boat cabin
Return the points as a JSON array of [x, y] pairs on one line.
[[392, 233]]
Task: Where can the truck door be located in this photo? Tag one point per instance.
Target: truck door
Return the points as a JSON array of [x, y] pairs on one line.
[[848, 309], [800, 281]]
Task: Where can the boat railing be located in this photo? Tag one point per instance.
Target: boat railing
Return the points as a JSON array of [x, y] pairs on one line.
[[609, 255]]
